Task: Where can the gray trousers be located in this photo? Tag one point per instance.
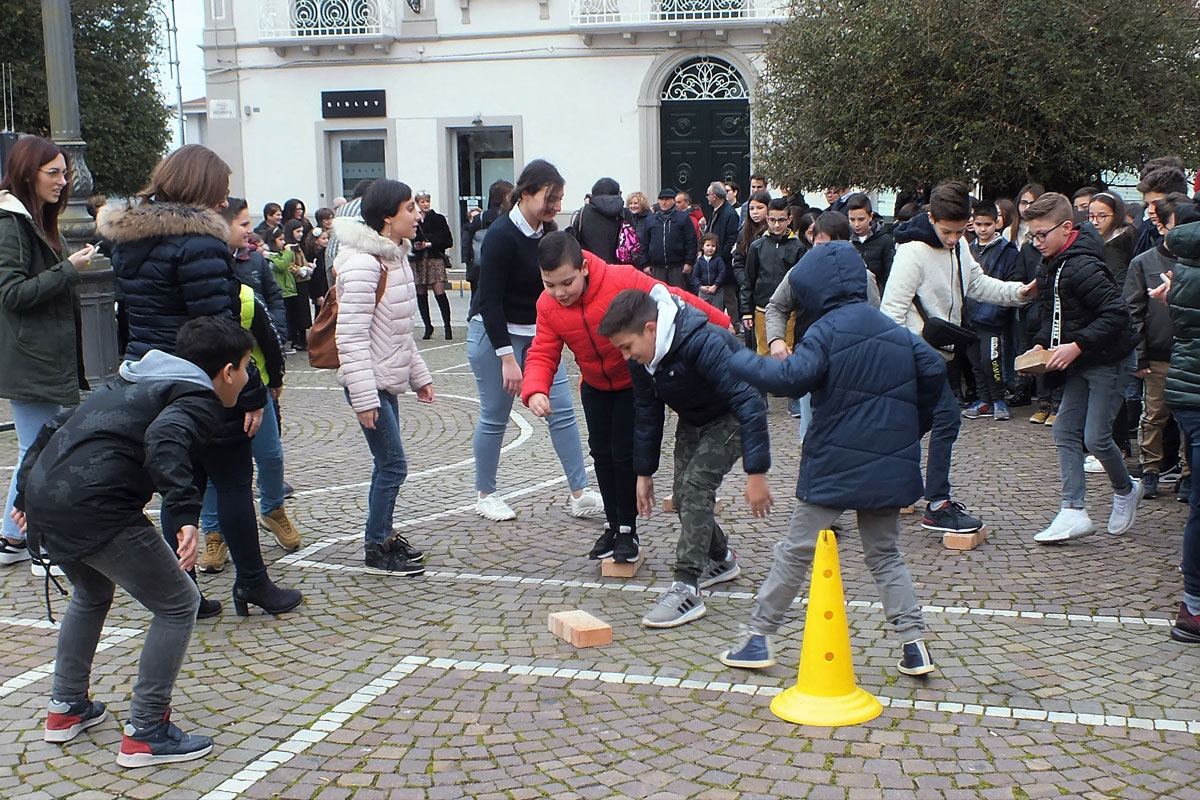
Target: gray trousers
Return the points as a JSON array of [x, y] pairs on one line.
[[880, 532], [703, 457], [1091, 398], [141, 562]]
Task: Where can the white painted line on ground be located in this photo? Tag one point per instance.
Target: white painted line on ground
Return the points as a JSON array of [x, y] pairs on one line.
[[449, 369], [300, 557], [526, 432], [725, 687], [114, 637], [305, 738], [424, 350]]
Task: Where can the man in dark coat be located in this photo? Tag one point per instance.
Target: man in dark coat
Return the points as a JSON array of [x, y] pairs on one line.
[[725, 225], [670, 245], [874, 389]]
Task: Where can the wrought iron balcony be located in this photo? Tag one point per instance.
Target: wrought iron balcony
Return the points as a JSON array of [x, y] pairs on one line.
[[657, 14], [313, 22]]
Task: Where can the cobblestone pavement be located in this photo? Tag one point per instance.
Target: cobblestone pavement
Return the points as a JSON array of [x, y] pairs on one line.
[[1056, 677]]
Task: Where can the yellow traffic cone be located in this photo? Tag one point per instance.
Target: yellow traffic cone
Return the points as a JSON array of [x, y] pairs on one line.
[[826, 692]]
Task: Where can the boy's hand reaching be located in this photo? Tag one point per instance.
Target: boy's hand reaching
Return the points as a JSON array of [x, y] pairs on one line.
[[189, 546], [539, 404], [779, 350], [19, 518], [758, 495], [645, 495]]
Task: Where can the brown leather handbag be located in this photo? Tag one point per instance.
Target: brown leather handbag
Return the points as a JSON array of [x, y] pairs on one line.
[[322, 338]]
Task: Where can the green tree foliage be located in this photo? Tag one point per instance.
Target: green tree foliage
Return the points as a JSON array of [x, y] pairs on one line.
[[123, 118], [906, 93]]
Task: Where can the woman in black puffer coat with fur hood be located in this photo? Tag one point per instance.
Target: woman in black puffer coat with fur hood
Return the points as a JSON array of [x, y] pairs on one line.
[[172, 262]]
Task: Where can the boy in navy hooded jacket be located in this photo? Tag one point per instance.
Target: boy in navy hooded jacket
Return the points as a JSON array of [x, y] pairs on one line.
[[874, 389]]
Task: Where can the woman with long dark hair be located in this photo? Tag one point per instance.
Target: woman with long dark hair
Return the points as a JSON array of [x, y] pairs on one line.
[[173, 261], [500, 327], [41, 357]]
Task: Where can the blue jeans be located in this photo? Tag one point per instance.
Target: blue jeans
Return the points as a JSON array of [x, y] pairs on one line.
[[28, 418], [946, 421], [1091, 398], [268, 457], [140, 562], [1189, 423], [495, 404], [390, 469]]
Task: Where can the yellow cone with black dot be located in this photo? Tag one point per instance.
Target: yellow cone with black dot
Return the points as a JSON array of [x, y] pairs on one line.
[[826, 693]]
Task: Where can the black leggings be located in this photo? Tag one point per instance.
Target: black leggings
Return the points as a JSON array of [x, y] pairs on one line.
[[609, 418], [230, 465]]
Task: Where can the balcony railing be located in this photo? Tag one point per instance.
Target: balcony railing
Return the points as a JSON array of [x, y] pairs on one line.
[[304, 21], [618, 14]]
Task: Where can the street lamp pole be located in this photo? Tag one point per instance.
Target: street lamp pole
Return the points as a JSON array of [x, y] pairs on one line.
[[63, 96], [169, 22]]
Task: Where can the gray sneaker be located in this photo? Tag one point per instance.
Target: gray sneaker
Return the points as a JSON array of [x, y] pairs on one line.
[[681, 603], [720, 571]]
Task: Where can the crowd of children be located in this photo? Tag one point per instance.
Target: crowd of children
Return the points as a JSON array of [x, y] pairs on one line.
[[865, 327]]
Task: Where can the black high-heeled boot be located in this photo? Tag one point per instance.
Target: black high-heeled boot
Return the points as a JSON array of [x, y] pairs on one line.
[[444, 305], [423, 307], [267, 596]]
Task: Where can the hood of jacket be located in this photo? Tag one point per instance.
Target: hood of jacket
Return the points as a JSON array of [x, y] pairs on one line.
[[159, 366], [1184, 242], [9, 202], [827, 277], [1087, 242], [668, 310], [610, 205], [918, 229], [357, 235], [155, 220]]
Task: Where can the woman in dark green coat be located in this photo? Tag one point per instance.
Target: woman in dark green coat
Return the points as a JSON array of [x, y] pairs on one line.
[[41, 358]]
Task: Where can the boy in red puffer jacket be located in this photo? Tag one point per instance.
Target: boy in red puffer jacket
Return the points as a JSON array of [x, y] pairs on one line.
[[579, 288]]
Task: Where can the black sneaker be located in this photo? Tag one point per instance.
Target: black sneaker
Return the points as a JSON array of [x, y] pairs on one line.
[[625, 546], [916, 660], [65, 721], [603, 548], [950, 518], [385, 562], [396, 543], [13, 552], [160, 743], [1149, 485], [1183, 489]]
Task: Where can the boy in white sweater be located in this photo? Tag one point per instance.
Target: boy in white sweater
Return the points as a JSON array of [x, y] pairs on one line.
[[932, 275]]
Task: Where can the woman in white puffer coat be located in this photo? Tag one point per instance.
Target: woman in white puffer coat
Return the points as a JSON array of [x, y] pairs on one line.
[[379, 359]]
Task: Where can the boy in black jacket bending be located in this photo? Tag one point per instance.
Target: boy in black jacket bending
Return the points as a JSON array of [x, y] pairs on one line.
[[81, 492], [1086, 328], [677, 359]]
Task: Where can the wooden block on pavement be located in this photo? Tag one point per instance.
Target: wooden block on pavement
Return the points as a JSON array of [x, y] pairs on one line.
[[908, 510], [965, 541], [579, 628], [668, 505], [621, 569]]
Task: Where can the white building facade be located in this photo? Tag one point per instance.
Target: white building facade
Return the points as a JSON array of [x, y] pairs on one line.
[[306, 97]]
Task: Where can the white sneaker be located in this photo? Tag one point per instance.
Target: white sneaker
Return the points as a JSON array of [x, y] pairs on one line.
[[588, 504], [1071, 523], [1125, 507], [12, 553], [493, 508], [39, 571], [1092, 465]]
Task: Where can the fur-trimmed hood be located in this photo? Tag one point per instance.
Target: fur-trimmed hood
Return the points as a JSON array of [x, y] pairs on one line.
[[155, 220], [357, 236]]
